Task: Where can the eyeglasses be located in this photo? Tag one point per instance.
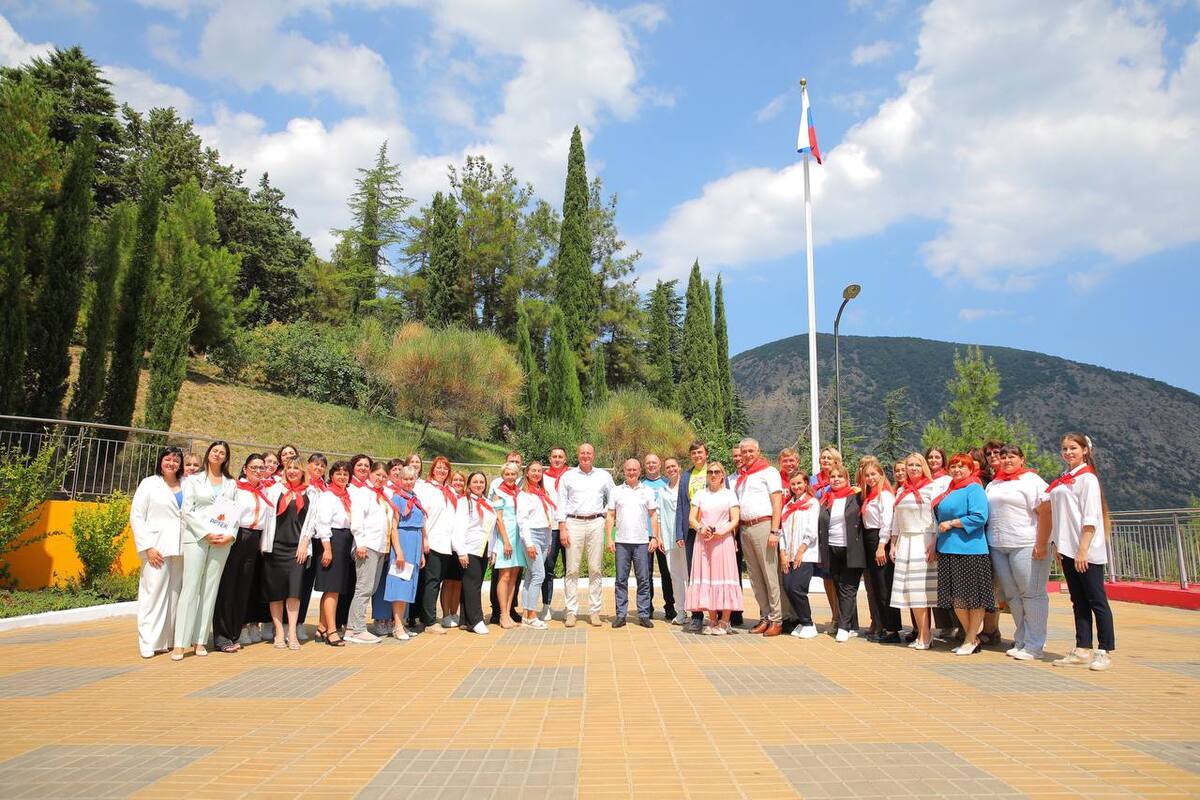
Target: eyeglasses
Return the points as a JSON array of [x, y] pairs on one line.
[[714, 472]]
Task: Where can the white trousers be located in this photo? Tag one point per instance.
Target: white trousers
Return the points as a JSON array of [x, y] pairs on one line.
[[586, 534], [158, 594], [677, 564]]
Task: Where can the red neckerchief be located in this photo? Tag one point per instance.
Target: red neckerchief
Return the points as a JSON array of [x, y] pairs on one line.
[[268, 481], [319, 483], [357, 482], [957, 484], [556, 473], [503, 487], [1010, 476], [540, 493], [941, 473], [836, 494], [378, 490], [481, 504], [1068, 477], [820, 481], [914, 488], [447, 494], [786, 477], [871, 494], [257, 491], [744, 472], [395, 487], [341, 493], [410, 501], [798, 504], [295, 490]]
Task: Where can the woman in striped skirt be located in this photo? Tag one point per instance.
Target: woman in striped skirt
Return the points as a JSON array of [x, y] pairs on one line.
[[913, 537]]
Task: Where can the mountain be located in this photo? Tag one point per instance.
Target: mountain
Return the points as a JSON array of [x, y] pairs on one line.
[[1147, 433]]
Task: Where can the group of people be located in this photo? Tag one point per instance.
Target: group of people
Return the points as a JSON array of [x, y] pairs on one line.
[[233, 561]]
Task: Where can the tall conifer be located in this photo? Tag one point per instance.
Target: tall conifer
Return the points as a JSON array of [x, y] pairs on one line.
[[576, 290], [533, 377], [564, 401], [598, 382], [658, 347], [721, 332], [444, 303], [699, 384]]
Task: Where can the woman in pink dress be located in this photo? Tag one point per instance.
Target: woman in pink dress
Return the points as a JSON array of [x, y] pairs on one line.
[[716, 586]]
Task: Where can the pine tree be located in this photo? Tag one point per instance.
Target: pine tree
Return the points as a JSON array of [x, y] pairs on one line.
[[721, 332], [444, 300], [564, 401], [56, 306], [895, 444], [661, 370], [699, 384], [576, 290], [533, 377], [89, 384], [129, 336], [598, 381]]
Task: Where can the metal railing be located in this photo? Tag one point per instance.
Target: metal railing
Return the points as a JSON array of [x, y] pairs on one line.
[[1161, 545], [100, 459]]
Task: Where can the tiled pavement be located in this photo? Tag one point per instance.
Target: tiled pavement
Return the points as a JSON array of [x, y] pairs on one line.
[[597, 712]]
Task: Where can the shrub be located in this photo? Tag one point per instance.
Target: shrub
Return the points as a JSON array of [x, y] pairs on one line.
[[306, 360], [100, 535], [118, 588], [630, 424], [26, 481]]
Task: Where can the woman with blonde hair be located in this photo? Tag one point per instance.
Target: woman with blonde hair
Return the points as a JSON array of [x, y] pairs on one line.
[[508, 555], [827, 459], [876, 506], [911, 537], [715, 585]]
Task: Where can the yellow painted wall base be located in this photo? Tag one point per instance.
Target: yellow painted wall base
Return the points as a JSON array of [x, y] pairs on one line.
[[53, 560]]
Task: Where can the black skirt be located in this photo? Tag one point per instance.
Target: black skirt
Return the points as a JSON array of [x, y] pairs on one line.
[[964, 581], [339, 575], [282, 577]]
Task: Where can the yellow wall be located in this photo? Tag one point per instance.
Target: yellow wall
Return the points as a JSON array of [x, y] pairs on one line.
[[53, 559]]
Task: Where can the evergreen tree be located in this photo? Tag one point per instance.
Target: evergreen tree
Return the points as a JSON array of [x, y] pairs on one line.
[[89, 385], [576, 286], [564, 401], [895, 444], [660, 368], [444, 299], [620, 320], [598, 380], [56, 305], [174, 322], [699, 383], [533, 378], [129, 335], [721, 333], [739, 420]]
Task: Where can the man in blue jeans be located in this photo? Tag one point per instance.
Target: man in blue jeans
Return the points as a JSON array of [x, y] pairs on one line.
[[626, 535]]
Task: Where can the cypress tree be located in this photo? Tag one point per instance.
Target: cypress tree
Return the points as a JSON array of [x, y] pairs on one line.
[[533, 377], [658, 347], [564, 401], [56, 307], [89, 384], [576, 290], [598, 382], [721, 332], [444, 300], [14, 331], [895, 444], [173, 326], [699, 384], [129, 337]]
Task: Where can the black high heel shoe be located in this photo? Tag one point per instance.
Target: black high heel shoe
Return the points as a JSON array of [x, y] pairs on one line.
[[320, 634], [338, 642]]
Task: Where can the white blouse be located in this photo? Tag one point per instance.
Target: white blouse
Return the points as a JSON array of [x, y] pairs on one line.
[[837, 523], [801, 528], [155, 517], [1012, 510], [877, 514], [257, 514], [910, 516], [1071, 508], [330, 515], [472, 530], [440, 517], [532, 515], [370, 518]]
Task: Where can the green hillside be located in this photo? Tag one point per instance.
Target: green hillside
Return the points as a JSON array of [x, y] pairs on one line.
[[1147, 432]]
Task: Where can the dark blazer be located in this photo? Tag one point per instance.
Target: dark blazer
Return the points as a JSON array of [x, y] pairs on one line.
[[683, 507], [855, 558]]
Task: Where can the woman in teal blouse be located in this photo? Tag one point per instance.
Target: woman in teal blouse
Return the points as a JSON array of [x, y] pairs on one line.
[[964, 566]]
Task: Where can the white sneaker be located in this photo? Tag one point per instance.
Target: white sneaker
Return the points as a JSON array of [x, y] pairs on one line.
[[362, 637], [1025, 655], [1100, 661], [545, 615], [1076, 656], [449, 621], [400, 634], [805, 632], [535, 623], [682, 619], [853, 634], [480, 628], [843, 635], [244, 640], [1012, 651]]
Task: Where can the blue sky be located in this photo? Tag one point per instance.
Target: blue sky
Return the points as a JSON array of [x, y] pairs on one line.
[[1011, 173]]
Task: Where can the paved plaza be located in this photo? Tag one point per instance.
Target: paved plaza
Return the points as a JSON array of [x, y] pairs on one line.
[[597, 712]]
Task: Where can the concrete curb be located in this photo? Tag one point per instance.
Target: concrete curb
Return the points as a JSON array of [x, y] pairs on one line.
[[70, 616]]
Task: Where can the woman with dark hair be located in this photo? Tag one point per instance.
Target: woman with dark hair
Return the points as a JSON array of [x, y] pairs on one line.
[[256, 533], [205, 551], [799, 551], [335, 575], [315, 468], [441, 507], [475, 524], [285, 454], [452, 587], [840, 538], [271, 465], [964, 573], [535, 517], [156, 518], [935, 458], [944, 621], [283, 567], [1079, 516], [371, 521]]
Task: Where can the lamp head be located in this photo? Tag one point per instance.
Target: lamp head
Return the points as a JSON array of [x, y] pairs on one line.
[[851, 291]]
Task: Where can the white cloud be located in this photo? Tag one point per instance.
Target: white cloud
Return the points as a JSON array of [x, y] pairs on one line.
[[1085, 144], [14, 50], [773, 107], [976, 314], [140, 90], [870, 53]]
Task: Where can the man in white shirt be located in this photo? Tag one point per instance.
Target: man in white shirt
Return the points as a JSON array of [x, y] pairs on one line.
[[628, 506], [656, 481], [583, 497], [759, 489]]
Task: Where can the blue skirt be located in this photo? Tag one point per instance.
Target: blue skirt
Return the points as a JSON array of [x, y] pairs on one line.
[[392, 588]]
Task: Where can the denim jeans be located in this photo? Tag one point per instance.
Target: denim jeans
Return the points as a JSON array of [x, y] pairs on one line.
[[535, 570], [639, 556], [1023, 582]]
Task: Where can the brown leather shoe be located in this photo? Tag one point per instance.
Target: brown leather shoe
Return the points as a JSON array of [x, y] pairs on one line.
[[774, 629], [761, 627]]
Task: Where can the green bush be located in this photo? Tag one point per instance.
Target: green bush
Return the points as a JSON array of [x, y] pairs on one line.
[[26, 481], [100, 535], [116, 587]]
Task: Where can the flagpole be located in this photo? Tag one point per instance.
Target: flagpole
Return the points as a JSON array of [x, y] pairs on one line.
[[813, 405]]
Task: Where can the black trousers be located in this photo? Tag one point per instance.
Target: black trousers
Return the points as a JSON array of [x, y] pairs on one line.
[[795, 586], [431, 586], [846, 578], [234, 590], [495, 599], [735, 617], [556, 553], [472, 590], [879, 582], [1088, 600], [668, 592]]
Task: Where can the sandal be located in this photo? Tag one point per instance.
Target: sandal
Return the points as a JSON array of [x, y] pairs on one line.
[[230, 648], [281, 644], [320, 634], [338, 642], [201, 650], [291, 645]]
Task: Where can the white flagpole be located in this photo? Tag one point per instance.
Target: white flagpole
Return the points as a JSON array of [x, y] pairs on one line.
[[813, 405]]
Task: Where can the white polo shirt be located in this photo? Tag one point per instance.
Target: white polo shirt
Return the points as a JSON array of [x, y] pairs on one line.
[[754, 493], [631, 505]]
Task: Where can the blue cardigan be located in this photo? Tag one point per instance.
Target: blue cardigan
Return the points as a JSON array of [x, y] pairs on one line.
[[969, 504]]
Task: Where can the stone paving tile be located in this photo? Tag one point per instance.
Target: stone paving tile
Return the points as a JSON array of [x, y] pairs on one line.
[[1003, 679], [522, 682], [475, 774], [1184, 754], [883, 770], [731, 640], [52, 680], [758, 681], [92, 771], [1177, 630], [1188, 668], [42, 635], [281, 682], [553, 636]]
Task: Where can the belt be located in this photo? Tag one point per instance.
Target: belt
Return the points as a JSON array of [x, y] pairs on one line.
[[584, 516], [746, 523]]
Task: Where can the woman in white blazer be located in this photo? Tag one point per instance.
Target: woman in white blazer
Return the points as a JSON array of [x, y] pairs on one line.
[[157, 522]]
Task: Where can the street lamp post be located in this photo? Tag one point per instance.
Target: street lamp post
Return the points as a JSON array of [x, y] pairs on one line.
[[848, 294]]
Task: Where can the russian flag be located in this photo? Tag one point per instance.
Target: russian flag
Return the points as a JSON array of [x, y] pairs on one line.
[[806, 138]]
